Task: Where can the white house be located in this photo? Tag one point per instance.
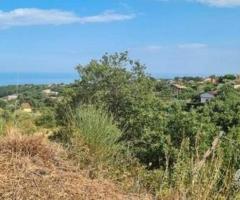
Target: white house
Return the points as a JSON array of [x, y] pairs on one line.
[[207, 96], [11, 97], [236, 87], [49, 92]]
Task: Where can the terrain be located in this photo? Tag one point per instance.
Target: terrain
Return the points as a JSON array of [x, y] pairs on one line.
[[120, 133]]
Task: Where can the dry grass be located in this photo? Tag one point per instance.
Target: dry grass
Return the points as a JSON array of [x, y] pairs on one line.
[[33, 168]]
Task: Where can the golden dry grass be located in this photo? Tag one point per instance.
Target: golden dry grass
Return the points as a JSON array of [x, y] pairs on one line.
[[33, 168]]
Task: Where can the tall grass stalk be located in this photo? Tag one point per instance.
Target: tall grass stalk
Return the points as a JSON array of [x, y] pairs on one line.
[[98, 130], [212, 181], [2, 125]]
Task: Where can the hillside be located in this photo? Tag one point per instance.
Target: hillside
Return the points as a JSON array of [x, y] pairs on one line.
[[117, 132], [31, 167]]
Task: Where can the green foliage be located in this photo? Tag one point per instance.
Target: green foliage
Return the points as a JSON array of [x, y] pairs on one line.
[[129, 95], [29, 93], [25, 121], [2, 125], [97, 130], [209, 87], [7, 90], [46, 119], [3, 104], [163, 89], [187, 94], [229, 76]]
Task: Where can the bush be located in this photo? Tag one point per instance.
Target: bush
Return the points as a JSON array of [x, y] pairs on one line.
[[46, 119], [93, 141], [25, 121], [97, 130], [2, 125]]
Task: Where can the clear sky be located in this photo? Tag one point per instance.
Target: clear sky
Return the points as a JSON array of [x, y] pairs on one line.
[[169, 36]]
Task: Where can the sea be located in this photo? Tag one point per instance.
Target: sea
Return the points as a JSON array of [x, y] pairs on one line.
[[17, 78], [36, 78]]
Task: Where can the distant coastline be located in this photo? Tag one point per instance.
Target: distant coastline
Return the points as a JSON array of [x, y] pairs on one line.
[[15, 78]]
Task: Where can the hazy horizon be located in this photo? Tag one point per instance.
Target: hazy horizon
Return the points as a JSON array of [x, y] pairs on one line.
[[18, 78]]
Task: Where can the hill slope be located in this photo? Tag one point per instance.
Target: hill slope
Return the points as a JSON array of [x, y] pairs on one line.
[[33, 168]]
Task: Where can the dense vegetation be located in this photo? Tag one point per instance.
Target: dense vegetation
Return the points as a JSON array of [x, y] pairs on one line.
[[141, 131]]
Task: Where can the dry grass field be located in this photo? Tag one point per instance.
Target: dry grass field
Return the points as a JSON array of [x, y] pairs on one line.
[[31, 167]]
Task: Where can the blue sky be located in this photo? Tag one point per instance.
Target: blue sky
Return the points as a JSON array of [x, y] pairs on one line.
[[191, 37]]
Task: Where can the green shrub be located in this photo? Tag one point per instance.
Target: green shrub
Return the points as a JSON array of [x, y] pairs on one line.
[[46, 119], [25, 121], [2, 125], [97, 130]]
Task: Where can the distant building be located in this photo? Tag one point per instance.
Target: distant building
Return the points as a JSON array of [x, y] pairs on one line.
[[236, 87], [171, 81], [11, 97], [177, 89], [49, 92], [210, 80], [237, 81], [207, 96]]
